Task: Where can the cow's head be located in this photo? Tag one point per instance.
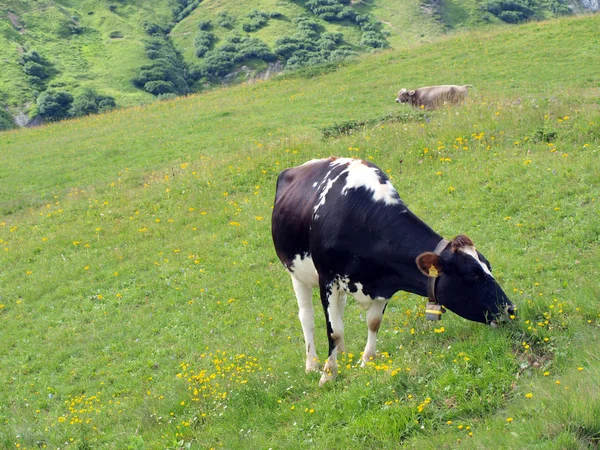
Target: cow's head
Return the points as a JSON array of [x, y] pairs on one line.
[[404, 95], [465, 284]]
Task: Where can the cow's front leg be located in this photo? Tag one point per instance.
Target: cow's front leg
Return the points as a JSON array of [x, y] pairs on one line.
[[334, 303], [374, 318], [306, 315]]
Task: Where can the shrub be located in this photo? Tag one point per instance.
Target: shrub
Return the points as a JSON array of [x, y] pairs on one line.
[[189, 7], [167, 66], [225, 20], [253, 48], [152, 29], [112, 7], [160, 87], [203, 42], [255, 21], [236, 49], [205, 25], [34, 69], [32, 56], [90, 102], [6, 121], [216, 64], [373, 39], [511, 11], [331, 10], [349, 126], [115, 35], [54, 105], [309, 47]]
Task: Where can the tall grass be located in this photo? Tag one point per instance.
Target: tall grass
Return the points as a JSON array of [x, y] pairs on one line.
[[142, 304]]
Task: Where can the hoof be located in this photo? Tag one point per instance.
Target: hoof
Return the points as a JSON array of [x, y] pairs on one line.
[[313, 366], [329, 373], [324, 379], [364, 361]]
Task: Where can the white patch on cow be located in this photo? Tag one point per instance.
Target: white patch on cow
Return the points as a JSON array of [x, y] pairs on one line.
[[473, 253], [303, 269], [358, 175], [323, 195], [306, 315], [361, 175], [363, 299]]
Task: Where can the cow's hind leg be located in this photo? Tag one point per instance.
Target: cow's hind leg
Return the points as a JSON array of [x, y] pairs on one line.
[[334, 303], [307, 319], [374, 318]]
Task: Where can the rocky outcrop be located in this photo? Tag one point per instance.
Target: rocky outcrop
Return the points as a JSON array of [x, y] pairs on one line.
[[23, 120], [590, 5]]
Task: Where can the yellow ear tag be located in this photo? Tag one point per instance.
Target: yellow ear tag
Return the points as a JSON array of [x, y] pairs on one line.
[[433, 273]]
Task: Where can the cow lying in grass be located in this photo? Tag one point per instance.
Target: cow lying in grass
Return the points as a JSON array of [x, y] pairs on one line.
[[432, 97], [338, 224]]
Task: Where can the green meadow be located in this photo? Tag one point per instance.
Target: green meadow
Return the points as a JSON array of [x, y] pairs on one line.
[[142, 305]]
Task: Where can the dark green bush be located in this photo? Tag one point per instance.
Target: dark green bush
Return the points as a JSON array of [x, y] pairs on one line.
[[34, 69], [152, 29], [167, 66], [511, 11], [115, 35], [90, 102], [216, 64], [54, 105], [250, 48], [331, 10], [349, 126], [255, 21], [310, 47], [32, 56], [225, 20], [205, 25], [189, 7], [338, 10], [6, 120], [373, 39], [160, 87], [203, 42], [235, 50]]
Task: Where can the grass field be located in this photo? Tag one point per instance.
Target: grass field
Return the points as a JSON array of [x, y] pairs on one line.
[[142, 304]]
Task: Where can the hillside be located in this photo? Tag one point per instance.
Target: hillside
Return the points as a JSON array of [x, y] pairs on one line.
[[142, 304], [126, 53]]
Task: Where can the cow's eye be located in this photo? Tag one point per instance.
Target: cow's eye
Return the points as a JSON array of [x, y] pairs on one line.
[[475, 277]]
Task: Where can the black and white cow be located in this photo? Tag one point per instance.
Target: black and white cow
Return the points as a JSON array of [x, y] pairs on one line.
[[339, 224]]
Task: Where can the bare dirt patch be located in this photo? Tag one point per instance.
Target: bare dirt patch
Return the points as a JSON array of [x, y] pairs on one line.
[[14, 19]]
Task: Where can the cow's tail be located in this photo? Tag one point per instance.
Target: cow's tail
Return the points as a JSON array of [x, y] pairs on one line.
[[471, 86]]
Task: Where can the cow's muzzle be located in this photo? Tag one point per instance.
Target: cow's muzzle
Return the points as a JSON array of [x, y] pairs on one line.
[[508, 314]]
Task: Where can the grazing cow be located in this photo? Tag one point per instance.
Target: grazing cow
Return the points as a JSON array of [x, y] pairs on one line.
[[432, 97], [338, 224]]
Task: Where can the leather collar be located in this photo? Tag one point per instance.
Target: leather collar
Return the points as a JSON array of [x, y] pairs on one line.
[[431, 281]]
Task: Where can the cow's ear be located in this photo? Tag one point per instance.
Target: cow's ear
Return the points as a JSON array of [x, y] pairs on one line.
[[430, 264], [412, 92]]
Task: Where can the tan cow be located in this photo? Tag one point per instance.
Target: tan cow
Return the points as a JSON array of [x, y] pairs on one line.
[[432, 97]]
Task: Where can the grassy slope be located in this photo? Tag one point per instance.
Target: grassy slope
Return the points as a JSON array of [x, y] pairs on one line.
[[135, 250], [90, 59], [405, 21], [93, 59]]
